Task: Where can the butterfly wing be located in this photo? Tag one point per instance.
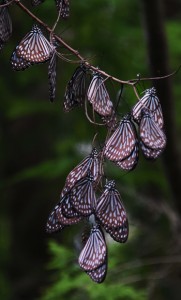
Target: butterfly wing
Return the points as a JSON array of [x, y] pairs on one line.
[[119, 234], [122, 142], [151, 102], [89, 164], [94, 253], [5, 24], [99, 97], [19, 63], [67, 209], [150, 133], [34, 47], [149, 153], [57, 220], [98, 275], [52, 73], [63, 5], [110, 210], [76, 89], [53, 224], [83, 196], [130, 162]]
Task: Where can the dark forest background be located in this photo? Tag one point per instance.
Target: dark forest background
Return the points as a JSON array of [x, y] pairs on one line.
[[40, 144]]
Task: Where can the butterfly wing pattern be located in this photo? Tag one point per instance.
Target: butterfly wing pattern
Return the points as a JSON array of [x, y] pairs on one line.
[[112, 214], [99, 274], [150, 154], [98, 96], [63, 7], [34, 47], [122, 142], [76, 89], [110, 210], [151, 134], [19, 63], [94, 253], [57, 220], [151, 102], [90, 164], [5, 25], [130, 162], [83, 197], [52, 74]]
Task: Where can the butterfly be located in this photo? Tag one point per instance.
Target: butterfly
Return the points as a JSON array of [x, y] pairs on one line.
[[57, 220], [151, 102], [76, 89], [36, 2], [98, 275], [130, 162], [151, 134], [34, 47], [63, 6], [110, 210], [99, 97], [94, 253], [122, 142], [19, 63], [119, 234], [5, 25], [52, 71], [83, 197], [91, 164], [149, 153]]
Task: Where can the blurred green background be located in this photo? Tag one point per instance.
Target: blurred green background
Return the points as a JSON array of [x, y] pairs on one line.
[[40, 144]]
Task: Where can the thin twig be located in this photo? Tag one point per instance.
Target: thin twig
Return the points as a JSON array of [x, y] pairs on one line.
[[7, 4], [81, 58]]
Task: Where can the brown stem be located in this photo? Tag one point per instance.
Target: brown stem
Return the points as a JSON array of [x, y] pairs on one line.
[[7, 4], [81, 58]]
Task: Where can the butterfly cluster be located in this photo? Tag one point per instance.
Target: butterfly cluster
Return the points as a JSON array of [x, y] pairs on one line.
[[142, 128], [79, 201], [85, 196], [82, 197], [123, 145]]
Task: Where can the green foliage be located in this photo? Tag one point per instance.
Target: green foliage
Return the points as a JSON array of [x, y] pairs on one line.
[[71, 282]]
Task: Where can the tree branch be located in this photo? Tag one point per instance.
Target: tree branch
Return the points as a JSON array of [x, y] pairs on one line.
[[131, 82]]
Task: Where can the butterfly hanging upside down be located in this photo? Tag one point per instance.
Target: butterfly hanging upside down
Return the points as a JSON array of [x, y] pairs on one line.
[[34, 48]]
